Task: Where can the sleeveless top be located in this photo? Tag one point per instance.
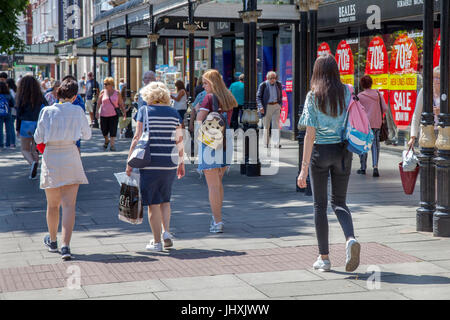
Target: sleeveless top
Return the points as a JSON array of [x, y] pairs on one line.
[[108, 109], [182, 104]]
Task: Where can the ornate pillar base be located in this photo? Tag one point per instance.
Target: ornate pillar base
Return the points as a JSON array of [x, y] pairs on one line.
[[441, 218]]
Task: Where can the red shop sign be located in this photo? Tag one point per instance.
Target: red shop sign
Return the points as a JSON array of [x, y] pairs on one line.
[[437, 53], [403, 103], [344, 59], [288, 85], [377, 58], [323, 50], [284, 108], [404, 57]]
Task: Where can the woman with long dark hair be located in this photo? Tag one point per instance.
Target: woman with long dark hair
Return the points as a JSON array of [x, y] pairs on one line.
[[29, 102], [325, 155]]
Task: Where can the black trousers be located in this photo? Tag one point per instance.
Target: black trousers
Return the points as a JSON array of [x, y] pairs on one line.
[[335, 161], [235, 117]]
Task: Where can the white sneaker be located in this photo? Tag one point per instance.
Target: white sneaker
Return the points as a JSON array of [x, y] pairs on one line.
[[155, 247], [168, 239], [216, 227], [322, 265], [353, 249]]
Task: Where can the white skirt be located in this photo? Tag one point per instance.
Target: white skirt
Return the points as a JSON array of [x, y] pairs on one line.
[[61, 165]]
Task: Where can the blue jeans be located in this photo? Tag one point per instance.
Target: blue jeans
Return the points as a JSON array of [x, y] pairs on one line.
[[9, 129], [375, 151]]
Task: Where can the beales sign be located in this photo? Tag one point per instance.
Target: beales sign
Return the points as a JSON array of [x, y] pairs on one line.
[[369, 12]]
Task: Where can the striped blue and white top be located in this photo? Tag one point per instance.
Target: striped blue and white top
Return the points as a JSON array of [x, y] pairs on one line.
[[162, 121]]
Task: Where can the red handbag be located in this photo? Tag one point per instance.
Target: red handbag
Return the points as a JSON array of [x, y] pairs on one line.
[[40, 147]]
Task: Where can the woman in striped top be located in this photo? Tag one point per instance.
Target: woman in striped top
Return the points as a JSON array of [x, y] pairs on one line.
[[166, 149]]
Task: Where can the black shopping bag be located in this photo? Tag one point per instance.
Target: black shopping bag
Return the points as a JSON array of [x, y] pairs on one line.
[[130, 204]]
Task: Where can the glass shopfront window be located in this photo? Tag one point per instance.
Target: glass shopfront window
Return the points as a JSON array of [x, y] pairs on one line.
[[394, 60]]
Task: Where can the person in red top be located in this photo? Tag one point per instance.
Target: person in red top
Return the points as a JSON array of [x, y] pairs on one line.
[[213, 166], [109, 101]]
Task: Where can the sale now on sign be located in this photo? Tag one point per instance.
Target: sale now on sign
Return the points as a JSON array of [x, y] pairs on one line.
[[344, 59], [323, 50], [403, 80]]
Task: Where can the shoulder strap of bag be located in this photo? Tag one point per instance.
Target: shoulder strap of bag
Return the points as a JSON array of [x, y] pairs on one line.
[[111, 101], [381, 106], [215, 103]]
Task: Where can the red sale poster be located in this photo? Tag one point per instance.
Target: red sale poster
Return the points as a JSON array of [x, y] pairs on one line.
[[377, 66], [284, 109], [437, 53], [323, 50], [403, 80], [344, 59]]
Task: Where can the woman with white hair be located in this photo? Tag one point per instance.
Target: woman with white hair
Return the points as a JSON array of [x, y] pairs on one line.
[[167, 153]]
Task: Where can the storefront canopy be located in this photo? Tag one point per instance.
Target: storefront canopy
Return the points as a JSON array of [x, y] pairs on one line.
[[176, 10], [359, 12]]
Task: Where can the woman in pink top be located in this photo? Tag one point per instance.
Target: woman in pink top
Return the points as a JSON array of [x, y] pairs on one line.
[[373, 102], [109, 101]]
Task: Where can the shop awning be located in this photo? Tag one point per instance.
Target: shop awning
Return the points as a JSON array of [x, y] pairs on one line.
[[208, 11]]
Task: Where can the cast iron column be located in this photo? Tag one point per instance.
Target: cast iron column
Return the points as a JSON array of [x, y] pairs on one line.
[[58, 68], [441, 217], [250, 16], [75, 67], [129, 130], [313, 8], [246, 88], [153, 39], [191, 27], [95, 89], [424, 216], [109, 46], [303, 81]]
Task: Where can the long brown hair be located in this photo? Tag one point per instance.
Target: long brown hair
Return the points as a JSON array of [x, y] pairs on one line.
[[29, 93], [327, 86], [225, 97]]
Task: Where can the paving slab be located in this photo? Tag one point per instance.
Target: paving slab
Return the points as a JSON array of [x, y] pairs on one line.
[[293, 289], [259, 278], [46, 294], [369, 295], [124, 288], [227, 293]]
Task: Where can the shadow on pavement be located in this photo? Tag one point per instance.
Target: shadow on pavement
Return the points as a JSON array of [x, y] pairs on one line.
[[396, 278]]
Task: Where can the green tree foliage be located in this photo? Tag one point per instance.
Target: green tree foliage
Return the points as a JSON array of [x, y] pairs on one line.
[[9, 25]]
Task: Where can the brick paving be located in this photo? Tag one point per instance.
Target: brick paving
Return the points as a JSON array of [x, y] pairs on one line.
[[176, 264]]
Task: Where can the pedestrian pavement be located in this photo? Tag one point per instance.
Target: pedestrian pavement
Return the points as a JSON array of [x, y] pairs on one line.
[[266, 251]]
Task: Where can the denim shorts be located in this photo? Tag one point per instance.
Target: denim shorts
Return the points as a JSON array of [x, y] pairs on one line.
[[208, 158]]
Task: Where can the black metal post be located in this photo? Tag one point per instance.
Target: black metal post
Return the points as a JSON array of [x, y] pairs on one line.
[[313, 35], [424, 216], [191, 28], [109, 46], [441, 217], [70, 65], [58, 68], [75, 67], [303, 82], [246, 94], [153, 37], [95, 89], [252, 169], [129, 131]]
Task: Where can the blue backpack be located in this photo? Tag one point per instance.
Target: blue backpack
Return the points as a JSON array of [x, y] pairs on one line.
[[4, 106]]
